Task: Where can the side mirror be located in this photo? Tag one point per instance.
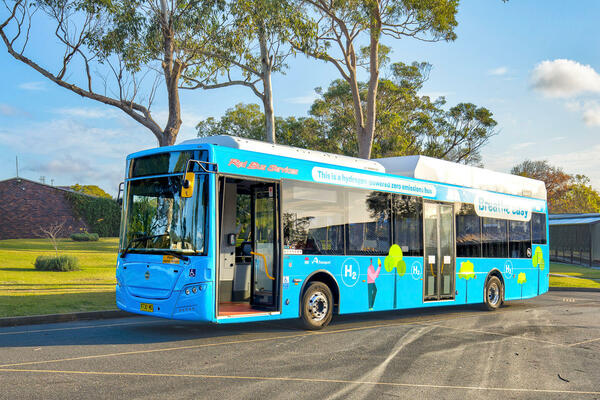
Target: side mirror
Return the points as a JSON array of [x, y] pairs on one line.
[[187, 187], [120, 202]]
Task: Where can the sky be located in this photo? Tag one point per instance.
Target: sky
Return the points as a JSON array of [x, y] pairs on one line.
[[534, 64]]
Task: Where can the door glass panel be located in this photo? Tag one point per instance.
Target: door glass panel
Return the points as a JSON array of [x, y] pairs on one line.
[[264, 246], [430, 219], [446, 250]]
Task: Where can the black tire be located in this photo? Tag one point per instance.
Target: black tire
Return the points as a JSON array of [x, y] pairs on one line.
[[493, 295], [317, 306]]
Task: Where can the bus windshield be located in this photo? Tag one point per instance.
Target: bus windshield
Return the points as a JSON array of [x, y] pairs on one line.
[[158, 219]]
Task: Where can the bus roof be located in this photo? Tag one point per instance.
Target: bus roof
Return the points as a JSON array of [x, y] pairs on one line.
[[288, 151], [419, 167], [433, 169]]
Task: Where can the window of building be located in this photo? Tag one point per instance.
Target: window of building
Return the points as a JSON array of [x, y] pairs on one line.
[[468, 232]]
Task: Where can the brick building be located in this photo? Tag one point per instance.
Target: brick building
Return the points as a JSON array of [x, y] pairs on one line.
[[26, 206]]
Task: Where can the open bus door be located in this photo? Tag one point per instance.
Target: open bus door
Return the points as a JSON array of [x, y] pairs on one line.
[[250, 244]]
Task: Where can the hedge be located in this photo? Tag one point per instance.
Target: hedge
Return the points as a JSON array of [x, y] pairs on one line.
[[60, 263], [102, 216], [85, 237]]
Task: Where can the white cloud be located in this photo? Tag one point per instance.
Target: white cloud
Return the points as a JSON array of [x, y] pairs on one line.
[[10, 111], [589, 110], [523, 145], [88, 113], [564, 78], [500, 71], [308, 99], [34, 86]]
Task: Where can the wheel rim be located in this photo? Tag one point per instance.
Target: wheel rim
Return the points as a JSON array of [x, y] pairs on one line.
[[493, 294], [318, 306]]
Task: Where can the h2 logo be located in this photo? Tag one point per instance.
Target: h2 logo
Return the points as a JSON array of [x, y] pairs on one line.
[[350, 272]]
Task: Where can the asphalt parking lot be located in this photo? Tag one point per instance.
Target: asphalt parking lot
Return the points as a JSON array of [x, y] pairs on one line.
[[546, 348]]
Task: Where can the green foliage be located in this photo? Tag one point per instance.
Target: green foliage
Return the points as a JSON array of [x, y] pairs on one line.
[[466, 271], [91, 190], [102, 215], [85, 237], [59, 264], [566, 193], [394, 260]]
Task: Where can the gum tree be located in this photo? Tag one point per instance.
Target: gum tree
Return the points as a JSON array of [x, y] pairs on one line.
[[349, 35], [121, 54]]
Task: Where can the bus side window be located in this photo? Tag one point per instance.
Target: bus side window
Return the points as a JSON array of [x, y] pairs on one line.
[[494, 237], [519, 234], [538, 222], [468, 232], [408, 225]]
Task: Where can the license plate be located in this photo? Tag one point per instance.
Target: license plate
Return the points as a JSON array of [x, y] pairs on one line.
[[146, 307]]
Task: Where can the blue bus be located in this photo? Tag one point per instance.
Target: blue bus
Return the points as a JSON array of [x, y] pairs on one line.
[[224, 229]]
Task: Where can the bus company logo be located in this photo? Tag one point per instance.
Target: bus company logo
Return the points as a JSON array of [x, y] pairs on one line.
[[416, 270], [262, 167], [320, 262], [508, 269], [350, 272]]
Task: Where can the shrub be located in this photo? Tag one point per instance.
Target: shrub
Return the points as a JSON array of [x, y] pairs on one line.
[[85, 237], [101, 215], [54, 263]]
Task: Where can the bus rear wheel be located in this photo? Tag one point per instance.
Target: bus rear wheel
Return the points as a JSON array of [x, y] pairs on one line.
[[494, 293], [317, 306]]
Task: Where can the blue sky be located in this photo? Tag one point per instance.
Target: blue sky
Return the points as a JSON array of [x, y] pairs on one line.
[[534, 64]]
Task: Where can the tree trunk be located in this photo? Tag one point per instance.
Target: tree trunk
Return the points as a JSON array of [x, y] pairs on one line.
[[365, 138], [267, 98]]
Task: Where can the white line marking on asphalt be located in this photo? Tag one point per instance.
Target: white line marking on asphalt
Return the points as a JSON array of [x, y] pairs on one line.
[[78, 327]]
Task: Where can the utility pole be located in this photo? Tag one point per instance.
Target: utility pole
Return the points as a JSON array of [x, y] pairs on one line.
[[17, 162]]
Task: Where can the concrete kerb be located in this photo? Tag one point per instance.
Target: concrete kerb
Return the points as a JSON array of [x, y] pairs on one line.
[[68, 317]]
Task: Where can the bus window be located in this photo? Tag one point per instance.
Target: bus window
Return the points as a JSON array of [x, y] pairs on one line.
[[408, 228], [538, 222], [368, 223], [468, 232], [519, 234], [314, 217], [494, 238]]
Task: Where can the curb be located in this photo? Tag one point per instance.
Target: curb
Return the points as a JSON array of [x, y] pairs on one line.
[[53, 318], [572, 289]]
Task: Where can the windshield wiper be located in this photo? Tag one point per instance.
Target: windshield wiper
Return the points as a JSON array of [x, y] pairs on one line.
[[139, 239], [174, 254]]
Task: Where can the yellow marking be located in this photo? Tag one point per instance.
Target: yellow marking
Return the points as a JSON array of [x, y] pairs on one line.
[[310, 380], [198, 346], [584, 342], [186, 193]]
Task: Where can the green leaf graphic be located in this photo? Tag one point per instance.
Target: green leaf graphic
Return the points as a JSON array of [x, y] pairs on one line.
[[522, 278], [466, 270]]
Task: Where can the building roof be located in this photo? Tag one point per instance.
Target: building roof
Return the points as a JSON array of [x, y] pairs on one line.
[[573, 219], [61, 188]]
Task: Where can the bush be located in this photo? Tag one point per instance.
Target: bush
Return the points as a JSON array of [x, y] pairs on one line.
[[85, 237], [101, 215], [54, 263]]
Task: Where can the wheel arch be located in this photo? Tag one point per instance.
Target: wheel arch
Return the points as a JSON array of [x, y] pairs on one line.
[[328, 279]]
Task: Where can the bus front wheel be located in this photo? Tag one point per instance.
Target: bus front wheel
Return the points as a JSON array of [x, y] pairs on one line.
[[494, 293], [317, 306]]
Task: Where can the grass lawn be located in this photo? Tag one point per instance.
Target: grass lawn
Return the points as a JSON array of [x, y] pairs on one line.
[[590, 277], [26, 291]]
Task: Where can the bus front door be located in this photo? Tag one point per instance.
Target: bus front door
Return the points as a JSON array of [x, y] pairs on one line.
[[265, 238], [439, 268]]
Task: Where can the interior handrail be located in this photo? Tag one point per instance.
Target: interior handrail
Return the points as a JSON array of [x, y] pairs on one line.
[[265, 260]]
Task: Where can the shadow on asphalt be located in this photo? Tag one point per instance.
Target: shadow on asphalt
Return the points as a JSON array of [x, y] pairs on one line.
[[143, 330]]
